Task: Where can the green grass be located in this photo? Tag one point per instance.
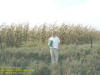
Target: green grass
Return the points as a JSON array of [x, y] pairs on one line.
[[73, 59]]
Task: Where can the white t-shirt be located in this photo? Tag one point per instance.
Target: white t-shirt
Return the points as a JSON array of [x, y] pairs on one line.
[[55, 40]]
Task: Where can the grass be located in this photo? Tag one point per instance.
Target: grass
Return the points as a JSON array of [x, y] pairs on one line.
[[73, 59]]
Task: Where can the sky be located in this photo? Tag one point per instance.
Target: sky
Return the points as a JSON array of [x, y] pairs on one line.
[[36, 12]]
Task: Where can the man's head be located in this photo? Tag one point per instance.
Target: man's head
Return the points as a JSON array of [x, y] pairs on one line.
[[54, 33]]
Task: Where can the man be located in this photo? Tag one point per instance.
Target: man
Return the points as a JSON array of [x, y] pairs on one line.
[[54, 43]]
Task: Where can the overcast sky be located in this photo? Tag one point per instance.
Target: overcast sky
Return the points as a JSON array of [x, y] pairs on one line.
[[50, 11]]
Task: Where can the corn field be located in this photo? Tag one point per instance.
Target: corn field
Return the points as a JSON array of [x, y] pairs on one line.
[[22, 46], [18, 35]]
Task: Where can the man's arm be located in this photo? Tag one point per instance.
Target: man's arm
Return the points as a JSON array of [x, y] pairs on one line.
[[59, 44], [48, 41]]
